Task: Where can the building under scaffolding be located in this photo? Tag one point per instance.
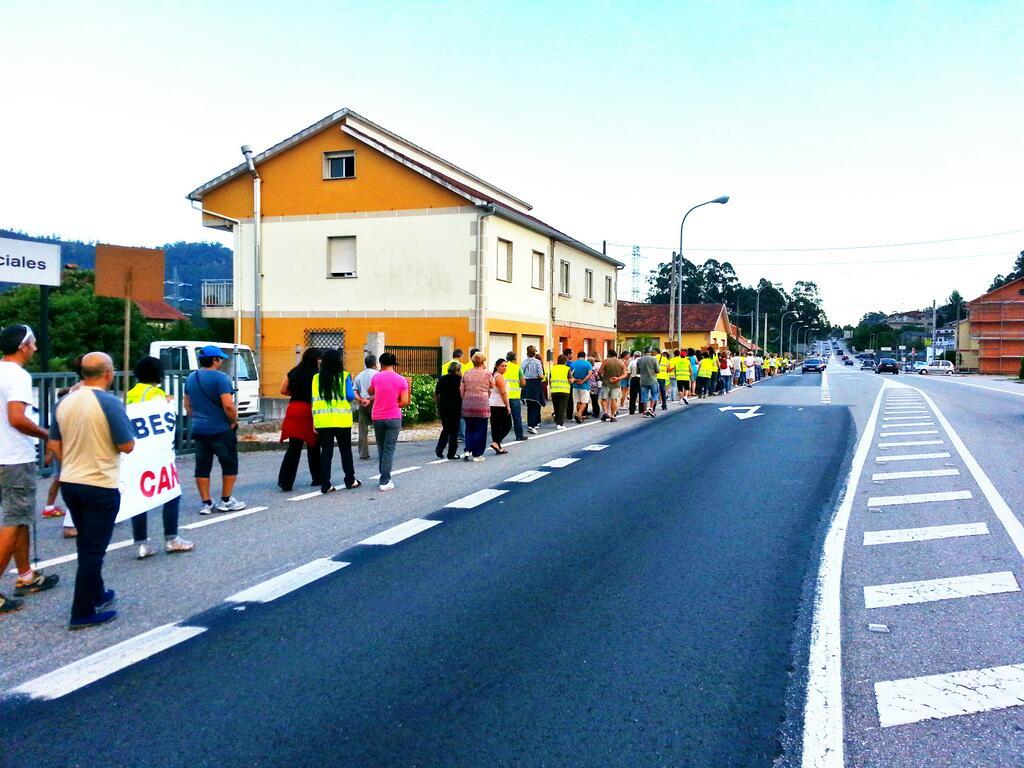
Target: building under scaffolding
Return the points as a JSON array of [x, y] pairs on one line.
[[997, 326]]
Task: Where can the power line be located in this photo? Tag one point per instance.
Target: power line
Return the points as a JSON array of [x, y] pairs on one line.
[[831, 248]]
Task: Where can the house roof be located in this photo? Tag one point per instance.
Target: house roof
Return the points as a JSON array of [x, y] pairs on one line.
[[437, 169], [159, 311], [637, 317], [1014, 286]]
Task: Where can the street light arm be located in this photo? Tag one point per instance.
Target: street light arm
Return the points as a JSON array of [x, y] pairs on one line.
[[679, 292]]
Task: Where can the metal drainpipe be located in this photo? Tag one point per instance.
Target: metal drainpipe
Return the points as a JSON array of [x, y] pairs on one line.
[[257, 256], [551, 302], [479, 309]]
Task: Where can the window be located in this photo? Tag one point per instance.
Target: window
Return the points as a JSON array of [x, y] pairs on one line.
[[504, 272], [537, 270], [588, 284], [563, 278], [325, 338], [339, 165], [608, 291], [341, 257]]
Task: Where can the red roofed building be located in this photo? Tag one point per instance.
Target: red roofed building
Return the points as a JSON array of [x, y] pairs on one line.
[[704, 325], [997, 326], [159, 313]]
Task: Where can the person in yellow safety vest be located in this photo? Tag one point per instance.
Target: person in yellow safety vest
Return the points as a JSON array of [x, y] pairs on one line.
[[467, 365], [663, 360], [332, 418], [559, 389], [149, 372], [708, 364], [681, 367], [456, 358], [514, 382]]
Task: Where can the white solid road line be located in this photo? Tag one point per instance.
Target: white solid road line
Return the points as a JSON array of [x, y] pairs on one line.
[[918, 498], [823, 708], [929, 533], [931, 590], [401, 471], [70, 678], [948, 695], [476, 499], [911, 457], [222, 518], [271, 589], [527, 477], [904, 443], [559, 463], [400, 532], [911, 432], [951, 380], [915, 474]]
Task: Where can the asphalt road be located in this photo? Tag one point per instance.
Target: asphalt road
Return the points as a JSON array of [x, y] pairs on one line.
[[638, 606]]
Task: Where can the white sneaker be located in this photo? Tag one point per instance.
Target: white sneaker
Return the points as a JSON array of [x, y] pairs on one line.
[[388, 486], [559, 427], [533, 430], [178, 544], [145, 550], [478, 458], [231, 505], [207, 509]]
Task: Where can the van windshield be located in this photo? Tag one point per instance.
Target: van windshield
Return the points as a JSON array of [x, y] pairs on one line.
[[244, 361]]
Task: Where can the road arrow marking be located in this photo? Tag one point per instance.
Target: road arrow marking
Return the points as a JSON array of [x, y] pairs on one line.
[[750, 411]]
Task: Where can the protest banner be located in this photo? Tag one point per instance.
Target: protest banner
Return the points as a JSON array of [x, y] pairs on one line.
[[148, 476]]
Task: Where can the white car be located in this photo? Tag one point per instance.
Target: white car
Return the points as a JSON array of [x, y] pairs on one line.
[[938, 366]]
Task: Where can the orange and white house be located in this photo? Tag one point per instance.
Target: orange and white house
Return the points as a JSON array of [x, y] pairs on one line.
[[362, 232]]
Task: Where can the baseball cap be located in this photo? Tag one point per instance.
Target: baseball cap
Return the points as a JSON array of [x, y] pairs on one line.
[[211, 350]]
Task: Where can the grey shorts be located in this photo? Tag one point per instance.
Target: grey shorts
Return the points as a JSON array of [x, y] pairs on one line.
[[610, 393], [18, 493], [581, 396]]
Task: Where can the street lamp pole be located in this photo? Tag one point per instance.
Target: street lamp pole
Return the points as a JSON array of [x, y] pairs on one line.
[[679, 288], [796, 324], [782, 328]]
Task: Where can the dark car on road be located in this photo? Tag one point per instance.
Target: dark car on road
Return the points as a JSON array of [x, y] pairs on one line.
[[887, 365], [847, 360], [812, 364]]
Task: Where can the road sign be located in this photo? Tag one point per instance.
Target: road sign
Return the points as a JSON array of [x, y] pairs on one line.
[[886, 349], [749, 411], [903, 348], [25, 261]]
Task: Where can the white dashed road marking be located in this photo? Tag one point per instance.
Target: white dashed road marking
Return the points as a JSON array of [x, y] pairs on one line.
[[527, 477], [400, 532], [304, 496], [909, 432], [931, 590], [595, 447], [223, 518], [905, 443], [476, 499], [70, 678], [911, 457], [955, 693], [929, 533], [559, 463], [915, 474], [394, 472], [271, 589], [918, 498]]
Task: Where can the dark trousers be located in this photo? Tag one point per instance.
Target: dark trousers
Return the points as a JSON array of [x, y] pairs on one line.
[[702, 386], [532, 413], [713, 386], [663, 393], [501, 423], [93, 511], [170, 510], [560, 401], [476, 434], [634, 393], [595, 404], [449, 434], [328, 436], [517, 417], [290, 463]]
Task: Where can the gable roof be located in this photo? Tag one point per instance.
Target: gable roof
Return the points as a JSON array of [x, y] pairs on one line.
[[437, 169], [1013, 288], [159, 311], [637, 317]]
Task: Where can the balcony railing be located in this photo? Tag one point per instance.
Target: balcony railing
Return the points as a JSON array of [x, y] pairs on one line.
[[218, 293]]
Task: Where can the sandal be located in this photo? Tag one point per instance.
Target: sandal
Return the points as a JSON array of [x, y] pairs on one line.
[[497, 450], [355, 484]]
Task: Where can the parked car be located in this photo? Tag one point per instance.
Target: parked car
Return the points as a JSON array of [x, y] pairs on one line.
[[913, 366], [939, 366], [813, 364], [887, 365]]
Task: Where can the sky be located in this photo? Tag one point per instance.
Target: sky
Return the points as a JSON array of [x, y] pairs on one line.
[[830, 125]]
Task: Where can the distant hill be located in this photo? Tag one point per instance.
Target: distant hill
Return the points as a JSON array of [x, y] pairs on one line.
[[194, 263]]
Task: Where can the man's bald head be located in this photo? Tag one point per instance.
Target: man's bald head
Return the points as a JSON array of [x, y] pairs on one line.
[[96, 365]]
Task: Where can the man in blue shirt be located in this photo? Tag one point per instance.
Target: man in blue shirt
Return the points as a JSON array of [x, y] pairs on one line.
[[210, 404], [579, 371]]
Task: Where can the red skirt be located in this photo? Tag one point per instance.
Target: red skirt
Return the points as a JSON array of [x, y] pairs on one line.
[[298, 423]]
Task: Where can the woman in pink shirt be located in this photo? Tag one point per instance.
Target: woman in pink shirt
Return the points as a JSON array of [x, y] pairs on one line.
[[390, 392], [477, 384]]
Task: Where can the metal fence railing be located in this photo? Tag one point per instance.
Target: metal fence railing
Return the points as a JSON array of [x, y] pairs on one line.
[[413, 360], [217, 293]]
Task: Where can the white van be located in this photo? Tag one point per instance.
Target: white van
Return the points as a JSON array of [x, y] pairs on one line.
[[240, 367], [938, 366]]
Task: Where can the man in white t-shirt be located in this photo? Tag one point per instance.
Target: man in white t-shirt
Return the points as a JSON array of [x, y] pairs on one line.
[[749, 362], [18, 436]]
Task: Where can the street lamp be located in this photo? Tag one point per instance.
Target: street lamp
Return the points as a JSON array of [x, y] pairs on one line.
[[782, 327], [676, 292], [807, 335], [797, 324]]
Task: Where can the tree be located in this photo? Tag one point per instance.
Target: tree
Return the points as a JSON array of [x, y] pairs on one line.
[[873, 318], [1018, 271]]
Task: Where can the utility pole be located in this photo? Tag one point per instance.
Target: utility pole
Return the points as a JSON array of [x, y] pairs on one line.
[[636, 273], [934, 329], [672, 299]]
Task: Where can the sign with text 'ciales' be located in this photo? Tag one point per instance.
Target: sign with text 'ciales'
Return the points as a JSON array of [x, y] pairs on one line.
[[24, 261], [148, 477]]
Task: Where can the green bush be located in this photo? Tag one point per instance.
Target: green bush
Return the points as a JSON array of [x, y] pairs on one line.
[[421, 407], [1021, 374]]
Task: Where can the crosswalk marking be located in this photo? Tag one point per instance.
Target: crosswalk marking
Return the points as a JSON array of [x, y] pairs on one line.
[[527, 477], [902, 418], [918, 498], [911, 457], [271, 589], [401, 471], [400, 532], [928, 533], [909, 432], [919, 473], [948, 695], [931, 590], [904, 443], [559, 463]]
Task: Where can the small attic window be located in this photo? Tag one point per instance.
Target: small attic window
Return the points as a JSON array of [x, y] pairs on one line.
[[339, 165]]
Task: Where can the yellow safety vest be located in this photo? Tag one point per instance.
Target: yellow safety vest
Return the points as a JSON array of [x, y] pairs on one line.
[[707, 365], [663, 368], [512, 381], [682, 366], [465, 366], [559, 379], [331, 414], [444, 369], [142, 393]]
